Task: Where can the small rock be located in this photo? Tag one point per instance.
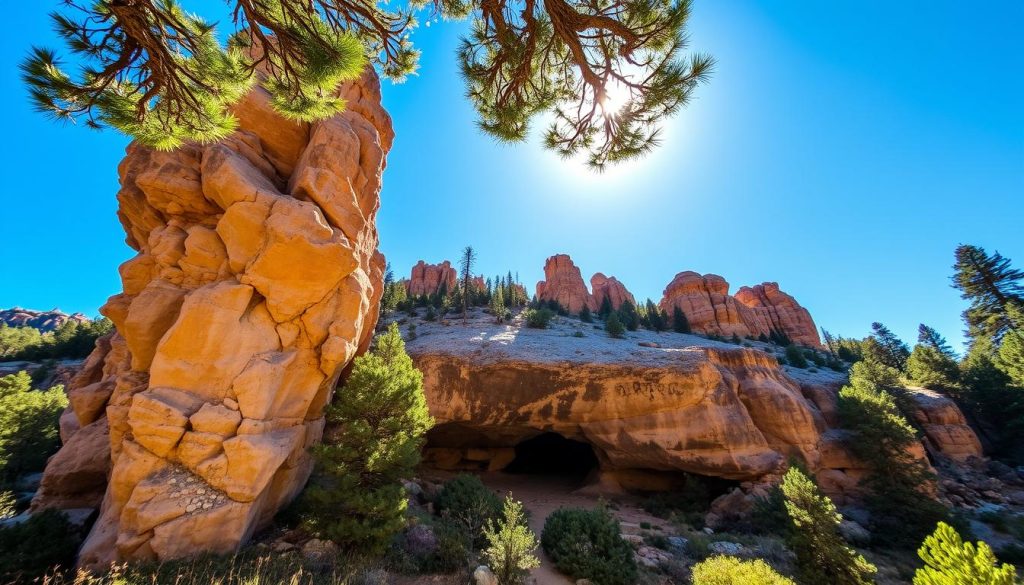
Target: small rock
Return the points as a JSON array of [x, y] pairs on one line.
[[633, 539], [281, 546], [319, 551], [708, 530], [583, 582], [854, 533], [723, 547], [678, 544], [648, 344], [420, 540], [483, 576]]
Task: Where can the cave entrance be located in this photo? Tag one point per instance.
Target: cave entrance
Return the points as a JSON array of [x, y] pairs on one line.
[[553, 454]]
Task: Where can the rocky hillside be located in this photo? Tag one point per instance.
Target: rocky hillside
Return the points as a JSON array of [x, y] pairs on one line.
[[44, 321], [646, 404]]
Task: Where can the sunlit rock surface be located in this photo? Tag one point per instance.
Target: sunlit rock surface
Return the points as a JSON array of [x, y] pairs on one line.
[[257, 280]]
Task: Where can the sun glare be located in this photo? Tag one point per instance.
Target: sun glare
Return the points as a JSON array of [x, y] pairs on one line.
[[616, 97]]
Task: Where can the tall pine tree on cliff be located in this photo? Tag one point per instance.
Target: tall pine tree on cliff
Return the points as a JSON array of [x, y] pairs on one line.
[[376, 427], [607, 74], [893, 352]]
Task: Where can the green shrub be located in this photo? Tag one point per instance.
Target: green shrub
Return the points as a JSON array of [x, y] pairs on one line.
[[951, 561], [510, 545], [538, 318], [356, 497], [795, 356], [585, 315], [35, 547], [578, 334], [8, 505], [29, 425], [71, 340], [822, 556], [722, 570], [614, 326], [586, 544], [467, 502]]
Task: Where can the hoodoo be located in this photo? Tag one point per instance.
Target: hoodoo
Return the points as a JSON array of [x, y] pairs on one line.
[[256, 281]]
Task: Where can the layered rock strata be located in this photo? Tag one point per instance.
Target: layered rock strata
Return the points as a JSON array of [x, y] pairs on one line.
[[257, 279], [429, 279]]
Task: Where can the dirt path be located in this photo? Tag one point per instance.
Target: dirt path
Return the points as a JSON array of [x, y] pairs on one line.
[[543, 494]]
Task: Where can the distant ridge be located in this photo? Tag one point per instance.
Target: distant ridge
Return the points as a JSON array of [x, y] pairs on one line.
[[44, 321]]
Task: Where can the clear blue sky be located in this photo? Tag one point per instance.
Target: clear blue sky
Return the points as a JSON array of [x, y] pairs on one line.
[[841, 149]]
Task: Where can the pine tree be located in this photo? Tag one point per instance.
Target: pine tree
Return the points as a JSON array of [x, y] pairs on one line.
[[894, 353], [613, 325], [510, 545], [498, 305], [466, 264], [822, 556], [606, 308], [164, 77], [931, 368], [931, 338], [989, 394], [628, 315], [830, 342], [655, 319], [380, 417], [951, 561], [679, 322], [585, 315], [992, 286]]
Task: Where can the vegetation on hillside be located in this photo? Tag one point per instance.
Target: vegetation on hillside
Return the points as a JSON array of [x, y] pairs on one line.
[[72, 340]]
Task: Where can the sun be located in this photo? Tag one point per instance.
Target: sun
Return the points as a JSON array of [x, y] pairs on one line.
[[616, 96]]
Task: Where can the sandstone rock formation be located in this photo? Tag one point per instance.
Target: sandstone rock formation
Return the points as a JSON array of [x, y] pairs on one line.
[[602, 287], [257, 280], [429, 279], [711, 409], [564, 284], [44, 321], [711, 310], [945, 428]]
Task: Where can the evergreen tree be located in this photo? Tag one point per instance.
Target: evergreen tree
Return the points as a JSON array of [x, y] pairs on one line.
[[613, 325], [510, 545], [931, 368], [164, 77], [679, 322], [466, 264], [989, 395], [951, 561], [380, 416], [881, 437], [498, 305], [992, 286], [830, 342], [585, 315], [931, 338], [655, 317], [894, 353], [605, 309], [628, 315], [822, 556]]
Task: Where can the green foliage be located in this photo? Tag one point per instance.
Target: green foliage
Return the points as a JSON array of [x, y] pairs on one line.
[[356, 497], [629, 316], [585, 315], [989, 394], [538, 318], [889, 349], [951, 561], [679, 322], [498, 308], [991, 285], [688, 504], [795, 356], [394, 295], [510, 545], [821, 554], [29, 425], [1011, 350], [469, 504], [930, 368], [72, 340], [586, 544], [33, 548], [654, 318], [722, 570], [613, 325], [466, 264], [8, 505], [881, 437]]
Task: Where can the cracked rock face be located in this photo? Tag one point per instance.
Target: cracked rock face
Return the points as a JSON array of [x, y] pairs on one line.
[[257, 280]]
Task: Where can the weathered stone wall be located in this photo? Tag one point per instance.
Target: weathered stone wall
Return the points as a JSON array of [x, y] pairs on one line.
[[257, 280]]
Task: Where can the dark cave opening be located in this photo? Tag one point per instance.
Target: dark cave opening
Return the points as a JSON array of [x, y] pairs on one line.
[[553, 454]]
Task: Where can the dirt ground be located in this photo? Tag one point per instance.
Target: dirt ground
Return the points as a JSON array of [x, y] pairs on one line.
[[543, 494]]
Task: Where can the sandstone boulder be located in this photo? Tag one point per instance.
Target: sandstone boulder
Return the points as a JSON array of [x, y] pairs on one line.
[[944, 425], [257, 280], [602, 287]]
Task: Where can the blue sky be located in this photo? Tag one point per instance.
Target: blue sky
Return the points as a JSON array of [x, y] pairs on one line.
[[841, 149]]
